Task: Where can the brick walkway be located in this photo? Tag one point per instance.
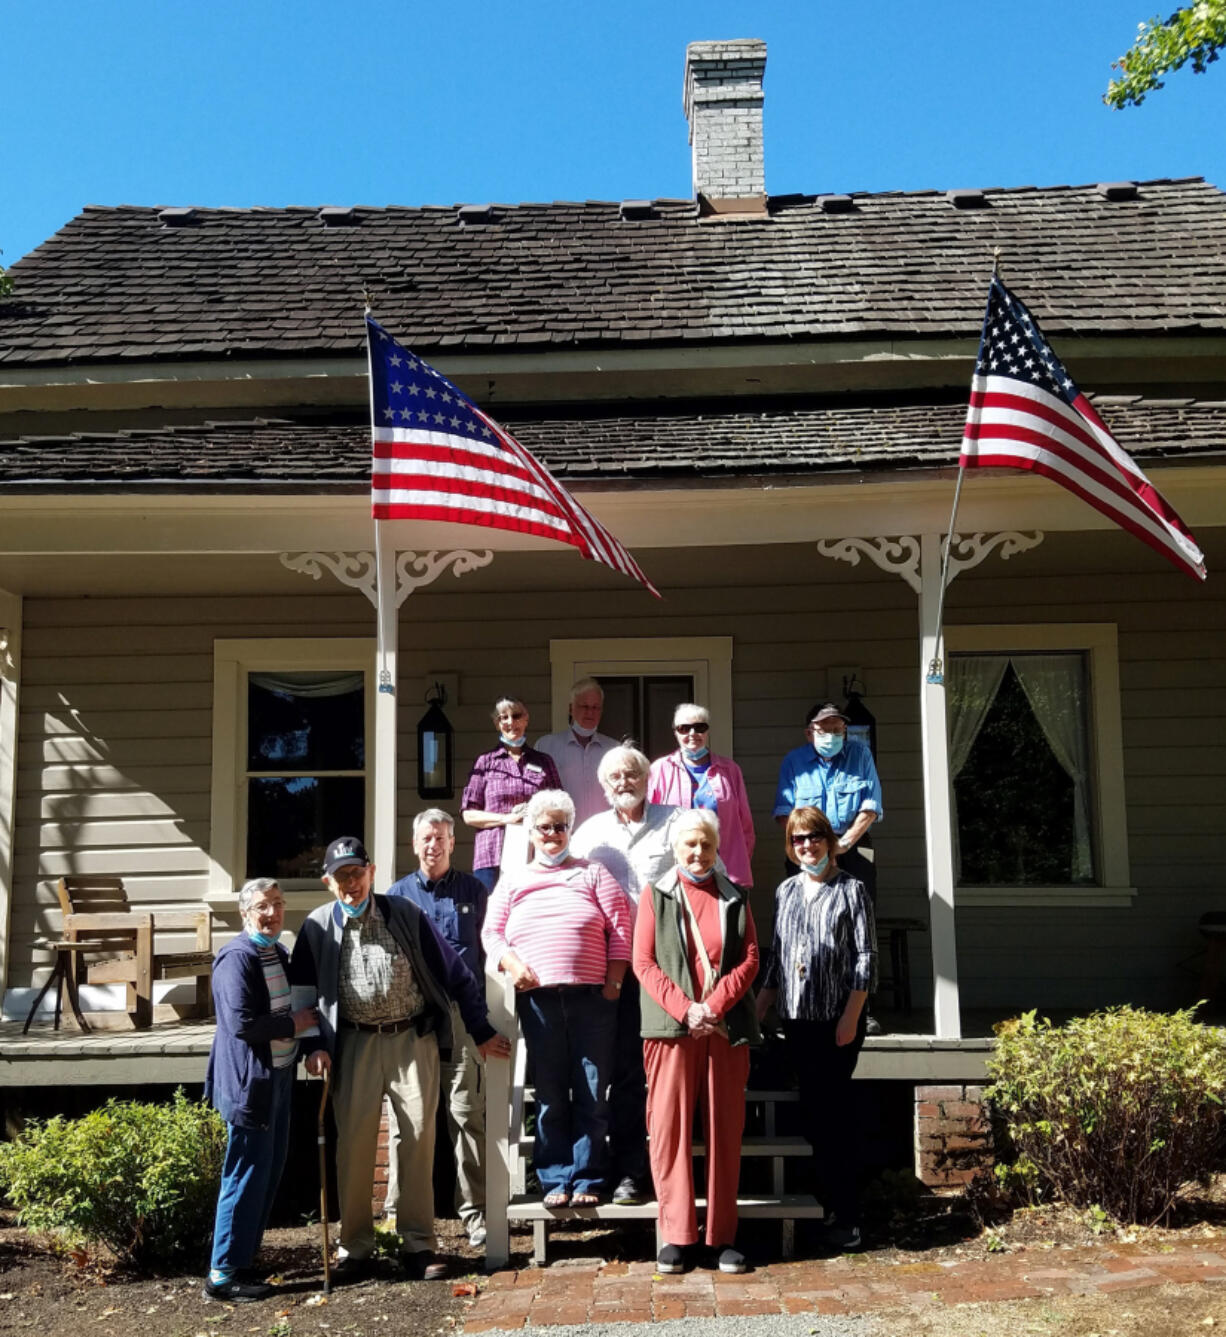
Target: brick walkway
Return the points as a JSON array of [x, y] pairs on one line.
[[632, 1292]]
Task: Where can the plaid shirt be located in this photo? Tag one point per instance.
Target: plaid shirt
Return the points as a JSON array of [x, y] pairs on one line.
[[375, 982], [496, 784]]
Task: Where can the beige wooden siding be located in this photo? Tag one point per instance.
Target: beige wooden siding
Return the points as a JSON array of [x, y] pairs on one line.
[[116, 726]]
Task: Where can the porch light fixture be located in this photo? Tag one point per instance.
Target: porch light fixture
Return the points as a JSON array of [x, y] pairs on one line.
[[861, 722], [435, 748]]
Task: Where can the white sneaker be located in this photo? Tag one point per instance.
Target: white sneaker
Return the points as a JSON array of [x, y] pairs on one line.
[[476, 1234]]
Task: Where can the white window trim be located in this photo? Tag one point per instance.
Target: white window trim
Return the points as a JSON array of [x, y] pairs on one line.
[[232, 662], [708, 659], [1100, 642]]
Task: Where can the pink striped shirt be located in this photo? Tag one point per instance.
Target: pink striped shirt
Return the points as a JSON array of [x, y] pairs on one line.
[[566, 923]]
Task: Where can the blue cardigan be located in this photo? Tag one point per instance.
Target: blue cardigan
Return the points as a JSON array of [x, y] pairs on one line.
[[240, 1074]]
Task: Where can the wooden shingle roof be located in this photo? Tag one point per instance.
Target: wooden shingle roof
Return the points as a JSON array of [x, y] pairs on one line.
[[136, 284], [610, 449]]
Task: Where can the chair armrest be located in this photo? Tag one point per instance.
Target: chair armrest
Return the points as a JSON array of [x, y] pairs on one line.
[[168, 919], [113, 921]]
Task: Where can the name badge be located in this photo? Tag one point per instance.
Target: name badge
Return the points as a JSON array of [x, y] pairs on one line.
[[534, 768]]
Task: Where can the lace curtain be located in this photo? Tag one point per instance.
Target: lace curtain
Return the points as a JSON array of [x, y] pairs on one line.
[[1055, 689]]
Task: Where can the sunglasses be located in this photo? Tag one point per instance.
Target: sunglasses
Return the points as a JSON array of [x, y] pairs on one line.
[[551, 829], [808, 838], [691, 728]]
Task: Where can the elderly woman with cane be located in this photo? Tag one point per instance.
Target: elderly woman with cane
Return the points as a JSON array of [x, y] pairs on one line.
[[696, 955], [250, 1081]]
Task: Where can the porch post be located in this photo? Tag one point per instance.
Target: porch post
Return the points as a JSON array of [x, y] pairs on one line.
[[386, 610], [938, 824], [10, 682]]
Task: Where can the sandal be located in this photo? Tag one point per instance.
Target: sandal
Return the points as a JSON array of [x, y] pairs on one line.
[[560, 1197], [585, 1199]]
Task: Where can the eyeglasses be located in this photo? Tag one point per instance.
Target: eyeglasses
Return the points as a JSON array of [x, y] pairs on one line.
[[551, 829], [691, 728], [807, 838], [350, 873]]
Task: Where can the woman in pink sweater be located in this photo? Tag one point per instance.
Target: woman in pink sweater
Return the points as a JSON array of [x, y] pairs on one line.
[[562, 929], [694, 777]]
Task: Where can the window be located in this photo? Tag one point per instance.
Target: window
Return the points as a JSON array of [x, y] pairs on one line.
[[641, 707], [645, 679], [1035, 758], [292, 725]]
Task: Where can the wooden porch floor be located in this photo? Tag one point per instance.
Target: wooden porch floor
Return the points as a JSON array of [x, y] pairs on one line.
[[177, 1051]]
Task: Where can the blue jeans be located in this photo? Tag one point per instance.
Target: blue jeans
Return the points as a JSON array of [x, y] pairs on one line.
[[570, 1033], [250, 1174]]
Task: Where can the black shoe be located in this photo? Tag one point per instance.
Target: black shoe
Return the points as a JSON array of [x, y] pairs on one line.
[[834, 1235], [235, 1291], [422, 1266], [629, 1193], [730, 1259], [348, 1270], [671, 1259]]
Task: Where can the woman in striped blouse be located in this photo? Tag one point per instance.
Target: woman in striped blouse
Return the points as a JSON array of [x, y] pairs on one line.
[[819, 974], [562, 929]]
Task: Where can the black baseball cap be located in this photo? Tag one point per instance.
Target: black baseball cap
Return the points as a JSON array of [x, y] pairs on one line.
[[345, 852], [828, 711]]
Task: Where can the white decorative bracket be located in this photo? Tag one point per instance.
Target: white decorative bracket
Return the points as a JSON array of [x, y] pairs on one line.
[[357, 569], [965, 553], [901, 556]]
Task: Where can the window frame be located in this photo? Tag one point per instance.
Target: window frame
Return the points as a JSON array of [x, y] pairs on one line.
[[707, 659], [233, 660], [1099, 641]]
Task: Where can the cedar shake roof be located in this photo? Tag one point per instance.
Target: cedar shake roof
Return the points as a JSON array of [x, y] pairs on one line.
[[131, 283], [589, 451]]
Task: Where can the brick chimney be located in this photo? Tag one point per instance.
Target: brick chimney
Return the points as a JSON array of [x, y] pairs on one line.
[[723, 104]]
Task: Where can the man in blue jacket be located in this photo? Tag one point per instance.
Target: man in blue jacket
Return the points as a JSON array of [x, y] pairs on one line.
[[385, 980], [454, 902]]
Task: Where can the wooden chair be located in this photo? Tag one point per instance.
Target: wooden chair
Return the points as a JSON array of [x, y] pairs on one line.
[[97, 908]]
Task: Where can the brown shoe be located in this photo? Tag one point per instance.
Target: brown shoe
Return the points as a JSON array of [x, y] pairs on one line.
[[423, 1266]]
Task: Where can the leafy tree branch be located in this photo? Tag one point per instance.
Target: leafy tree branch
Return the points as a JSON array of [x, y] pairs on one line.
[[1194, 33]]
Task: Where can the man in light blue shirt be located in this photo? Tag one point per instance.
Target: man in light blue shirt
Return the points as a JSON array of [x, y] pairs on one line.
[[838, 776]]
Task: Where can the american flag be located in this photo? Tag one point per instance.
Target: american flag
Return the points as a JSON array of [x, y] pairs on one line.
[[1026, 413], [438, 457]]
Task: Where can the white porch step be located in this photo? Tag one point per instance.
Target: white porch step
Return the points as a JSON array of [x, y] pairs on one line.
[[788, 1206]]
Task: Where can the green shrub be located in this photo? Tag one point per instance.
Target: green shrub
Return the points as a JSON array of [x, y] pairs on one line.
[[1117, 1110], [141, 1179]]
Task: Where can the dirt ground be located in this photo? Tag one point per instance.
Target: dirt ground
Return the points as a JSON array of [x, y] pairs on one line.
[[56, 1294]]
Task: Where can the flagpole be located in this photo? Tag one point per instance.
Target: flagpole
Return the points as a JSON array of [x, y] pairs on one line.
[[386, 635], [936, 666]]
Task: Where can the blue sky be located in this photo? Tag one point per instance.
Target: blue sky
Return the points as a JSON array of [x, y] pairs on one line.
[[244, 102]]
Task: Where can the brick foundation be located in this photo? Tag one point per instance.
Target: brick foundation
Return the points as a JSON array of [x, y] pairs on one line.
[[379, 1192], [953, 1136]]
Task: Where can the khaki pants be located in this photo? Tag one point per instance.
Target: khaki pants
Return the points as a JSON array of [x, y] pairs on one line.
[[405, 1068], [463, 1087]]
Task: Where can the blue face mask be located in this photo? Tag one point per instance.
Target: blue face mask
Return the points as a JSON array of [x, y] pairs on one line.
[[700, 877], [553, 860], [353, 911], [827, 744], [696, 755], [816, 869], [510, 742], [263, 939]]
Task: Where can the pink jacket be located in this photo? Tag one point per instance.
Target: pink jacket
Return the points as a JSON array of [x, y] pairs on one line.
[[670, 783]]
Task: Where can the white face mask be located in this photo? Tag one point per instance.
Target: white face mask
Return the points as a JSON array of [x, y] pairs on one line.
[[553, 860], [581, 731]]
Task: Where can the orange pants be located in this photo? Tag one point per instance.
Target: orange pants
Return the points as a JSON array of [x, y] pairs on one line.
[[679, 1073]]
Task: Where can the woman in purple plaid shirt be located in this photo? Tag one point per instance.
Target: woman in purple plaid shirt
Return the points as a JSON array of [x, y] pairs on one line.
[[500, 784]]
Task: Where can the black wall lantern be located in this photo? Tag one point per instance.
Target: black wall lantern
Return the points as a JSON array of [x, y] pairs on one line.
[[435, 748], [861, 722]]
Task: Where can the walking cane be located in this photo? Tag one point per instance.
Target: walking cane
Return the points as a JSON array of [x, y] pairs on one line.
[[323, 1180]]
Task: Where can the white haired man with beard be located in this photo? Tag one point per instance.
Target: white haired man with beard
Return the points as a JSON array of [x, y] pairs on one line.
[[633, 840]]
